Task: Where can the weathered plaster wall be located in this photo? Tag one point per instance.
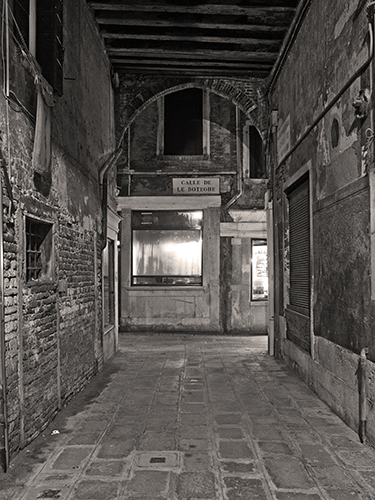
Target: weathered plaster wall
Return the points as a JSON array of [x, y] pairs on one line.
[[53, 328], [337, 153]]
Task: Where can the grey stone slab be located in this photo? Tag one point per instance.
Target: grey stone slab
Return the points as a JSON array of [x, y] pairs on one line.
[[116, 448], [228, 418], [72, 458], [106, 468], [333, 477], [354, 494], [11, 493], [148, 483], [274, 448], [267, 433], [193, 397], [194, 431], [234, 450], [228, 467], [83, 439], [197, 462], [239, 488], [122, 431], [316, 454], [157, 441], [286, 471], [191, 445], [193, 419], [44, 492], [196, 485], [91, 425], [161, 424], [230, 432], [365, 458], [193, 407], [282, 495], [96, 490]]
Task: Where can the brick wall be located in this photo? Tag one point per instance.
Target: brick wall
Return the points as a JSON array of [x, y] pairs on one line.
[[53, 329]]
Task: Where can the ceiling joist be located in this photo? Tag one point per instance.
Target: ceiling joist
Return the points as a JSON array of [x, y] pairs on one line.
[[194, 37]]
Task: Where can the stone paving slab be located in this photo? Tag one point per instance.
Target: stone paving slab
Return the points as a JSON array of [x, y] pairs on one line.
[[188, 417]]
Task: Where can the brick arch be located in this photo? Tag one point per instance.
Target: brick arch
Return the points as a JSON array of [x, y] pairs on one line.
[[244, 95]]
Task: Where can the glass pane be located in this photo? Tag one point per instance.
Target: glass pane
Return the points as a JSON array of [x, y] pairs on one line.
[[259, 289], [167, 252]]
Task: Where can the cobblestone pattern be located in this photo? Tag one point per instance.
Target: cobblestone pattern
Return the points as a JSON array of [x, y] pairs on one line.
[[230, 422]]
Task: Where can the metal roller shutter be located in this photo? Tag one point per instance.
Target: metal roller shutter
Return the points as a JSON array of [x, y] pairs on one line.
[[299, 244]]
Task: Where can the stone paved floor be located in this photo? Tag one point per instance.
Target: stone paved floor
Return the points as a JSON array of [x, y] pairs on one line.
[[194, 417]]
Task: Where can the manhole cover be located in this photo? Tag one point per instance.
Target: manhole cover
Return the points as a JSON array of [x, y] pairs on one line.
[[156, 459]]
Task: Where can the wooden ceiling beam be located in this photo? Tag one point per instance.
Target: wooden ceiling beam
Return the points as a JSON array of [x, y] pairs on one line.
[[201, 72], [171, 24], [196, 62], [190, 38], [223, 10], [194, 54]]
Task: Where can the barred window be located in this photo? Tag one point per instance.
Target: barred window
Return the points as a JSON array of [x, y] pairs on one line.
[[38, 250]]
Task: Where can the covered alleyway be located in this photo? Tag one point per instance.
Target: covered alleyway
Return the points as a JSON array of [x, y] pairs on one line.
[[194, 417]]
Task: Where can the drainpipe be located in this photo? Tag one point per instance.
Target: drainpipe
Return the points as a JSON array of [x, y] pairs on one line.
[[270, 256], [4, 444], [362, 394], [239, 164]]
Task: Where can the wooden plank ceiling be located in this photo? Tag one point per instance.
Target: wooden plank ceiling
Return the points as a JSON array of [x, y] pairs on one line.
[[201, 38]]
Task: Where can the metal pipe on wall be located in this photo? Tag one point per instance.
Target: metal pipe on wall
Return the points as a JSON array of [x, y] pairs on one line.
[[362, 394]]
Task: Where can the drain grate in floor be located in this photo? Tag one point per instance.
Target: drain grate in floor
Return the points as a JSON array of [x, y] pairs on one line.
[[158, 459]]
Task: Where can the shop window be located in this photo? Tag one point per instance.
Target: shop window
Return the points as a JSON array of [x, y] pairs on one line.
[[257, 169], [167, 248], [299, 248], [109, 283], [259, 270], [183, 123], [39, 262], [39, 28]]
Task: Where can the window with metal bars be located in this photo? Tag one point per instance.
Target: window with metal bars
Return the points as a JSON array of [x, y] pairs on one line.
[[38, 250], [299, 248]]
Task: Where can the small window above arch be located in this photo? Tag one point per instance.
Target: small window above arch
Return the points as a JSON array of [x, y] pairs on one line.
[[183, 114], [184, 124]]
